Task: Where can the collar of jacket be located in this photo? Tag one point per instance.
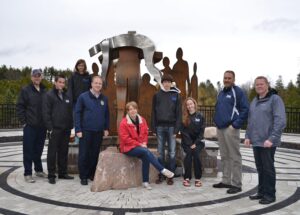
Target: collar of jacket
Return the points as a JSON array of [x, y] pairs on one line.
[[93, 96], [226, 89], [42, 87], [129, 120], [56, 90], [86, 73], [270, 92]]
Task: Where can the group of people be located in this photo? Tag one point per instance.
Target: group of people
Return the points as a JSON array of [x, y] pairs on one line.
[[85, 107]]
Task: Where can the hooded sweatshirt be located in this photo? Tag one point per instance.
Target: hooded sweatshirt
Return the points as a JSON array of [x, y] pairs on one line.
[[166, 109], [266, 120]]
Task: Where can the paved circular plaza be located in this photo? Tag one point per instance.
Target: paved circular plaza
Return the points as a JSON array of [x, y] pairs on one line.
[[69, 197]]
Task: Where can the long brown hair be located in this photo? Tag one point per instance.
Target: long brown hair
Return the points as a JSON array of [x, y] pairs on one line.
[[80, 61], [185, 113]]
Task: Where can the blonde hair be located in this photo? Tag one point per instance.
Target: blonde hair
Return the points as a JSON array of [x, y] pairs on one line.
[[185, 113], [132, 104]]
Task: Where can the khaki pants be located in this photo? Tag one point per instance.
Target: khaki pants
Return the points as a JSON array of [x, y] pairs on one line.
[[231, 159]]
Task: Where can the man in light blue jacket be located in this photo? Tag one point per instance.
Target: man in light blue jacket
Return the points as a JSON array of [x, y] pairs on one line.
[[266, 121]]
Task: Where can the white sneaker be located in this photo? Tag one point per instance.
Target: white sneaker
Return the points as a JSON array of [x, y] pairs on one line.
[[41, 174], [29, 179], [147, 186], [167, 173]]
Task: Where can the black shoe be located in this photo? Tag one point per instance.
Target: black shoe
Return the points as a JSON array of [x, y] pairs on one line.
[[65, 176], [51, 180], [256, 197], [84, 182], [234, 190], [221, 185], [160, 179], [265, 201]]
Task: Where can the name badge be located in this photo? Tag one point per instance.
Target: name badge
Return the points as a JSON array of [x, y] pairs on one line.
[[228, 96], [197, 120], [102, 102], [67, 101]]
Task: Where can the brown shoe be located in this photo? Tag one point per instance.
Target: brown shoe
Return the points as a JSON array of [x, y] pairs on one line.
[[170, 181]]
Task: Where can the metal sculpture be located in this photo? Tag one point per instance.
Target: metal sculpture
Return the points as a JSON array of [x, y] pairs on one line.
[[128, 49]]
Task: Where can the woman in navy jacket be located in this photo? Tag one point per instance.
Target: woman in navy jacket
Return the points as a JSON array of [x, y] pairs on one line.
[[192, 141]]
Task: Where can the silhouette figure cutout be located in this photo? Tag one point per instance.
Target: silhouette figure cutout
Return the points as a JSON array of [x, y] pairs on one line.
[[181, 74], [194, 84], [147, 91]]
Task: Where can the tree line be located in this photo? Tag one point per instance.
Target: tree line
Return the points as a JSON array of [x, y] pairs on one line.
[[290, 94], [12, 79]]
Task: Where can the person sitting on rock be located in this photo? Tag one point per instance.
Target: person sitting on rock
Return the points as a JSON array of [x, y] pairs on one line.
[[133, 137]]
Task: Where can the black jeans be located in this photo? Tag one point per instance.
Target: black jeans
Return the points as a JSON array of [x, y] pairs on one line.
[[58, 149], [192, 155], [89, 149], [264, 161], [33, 146]]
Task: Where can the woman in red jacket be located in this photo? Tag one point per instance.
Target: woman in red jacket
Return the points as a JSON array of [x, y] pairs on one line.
[[133, 137]]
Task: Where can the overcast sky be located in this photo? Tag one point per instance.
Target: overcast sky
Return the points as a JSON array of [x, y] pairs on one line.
[[251, 37]]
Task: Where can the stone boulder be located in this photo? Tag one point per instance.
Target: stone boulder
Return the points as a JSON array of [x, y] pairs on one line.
[[119, 171], [210, 133]]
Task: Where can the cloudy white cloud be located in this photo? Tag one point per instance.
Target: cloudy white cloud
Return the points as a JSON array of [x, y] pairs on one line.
[[252, 37]]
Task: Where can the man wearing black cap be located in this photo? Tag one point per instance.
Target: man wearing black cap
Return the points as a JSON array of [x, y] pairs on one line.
[[29, 112], [165, 122]]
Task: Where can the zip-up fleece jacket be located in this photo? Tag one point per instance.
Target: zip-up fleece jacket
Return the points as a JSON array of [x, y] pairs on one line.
[[166, 110], [57, 112], [266, 120], [231, 108], [77, 84], [193, 132], [128, 136], [91, 113], [29, 105]]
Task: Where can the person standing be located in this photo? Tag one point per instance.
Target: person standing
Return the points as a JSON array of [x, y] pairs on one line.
[[230, 114], [57, 113], [79, 82], [91, 123], [266, 122], [192, 131], [166, 121], [133, 136], [29, 111]]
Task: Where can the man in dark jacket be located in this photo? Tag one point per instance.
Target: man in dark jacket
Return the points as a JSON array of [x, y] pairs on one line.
[[166, 121], [91, 123], [57, 113], [230, 114], [29, 112]]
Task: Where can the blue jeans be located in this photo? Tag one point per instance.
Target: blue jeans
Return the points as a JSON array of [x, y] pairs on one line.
[[147, 157], [89, 149], [33, 146], [264, 161], [166, 134]]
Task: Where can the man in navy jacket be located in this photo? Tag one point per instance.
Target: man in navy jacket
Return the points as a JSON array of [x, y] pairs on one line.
[[231, 112], [91, 123]]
